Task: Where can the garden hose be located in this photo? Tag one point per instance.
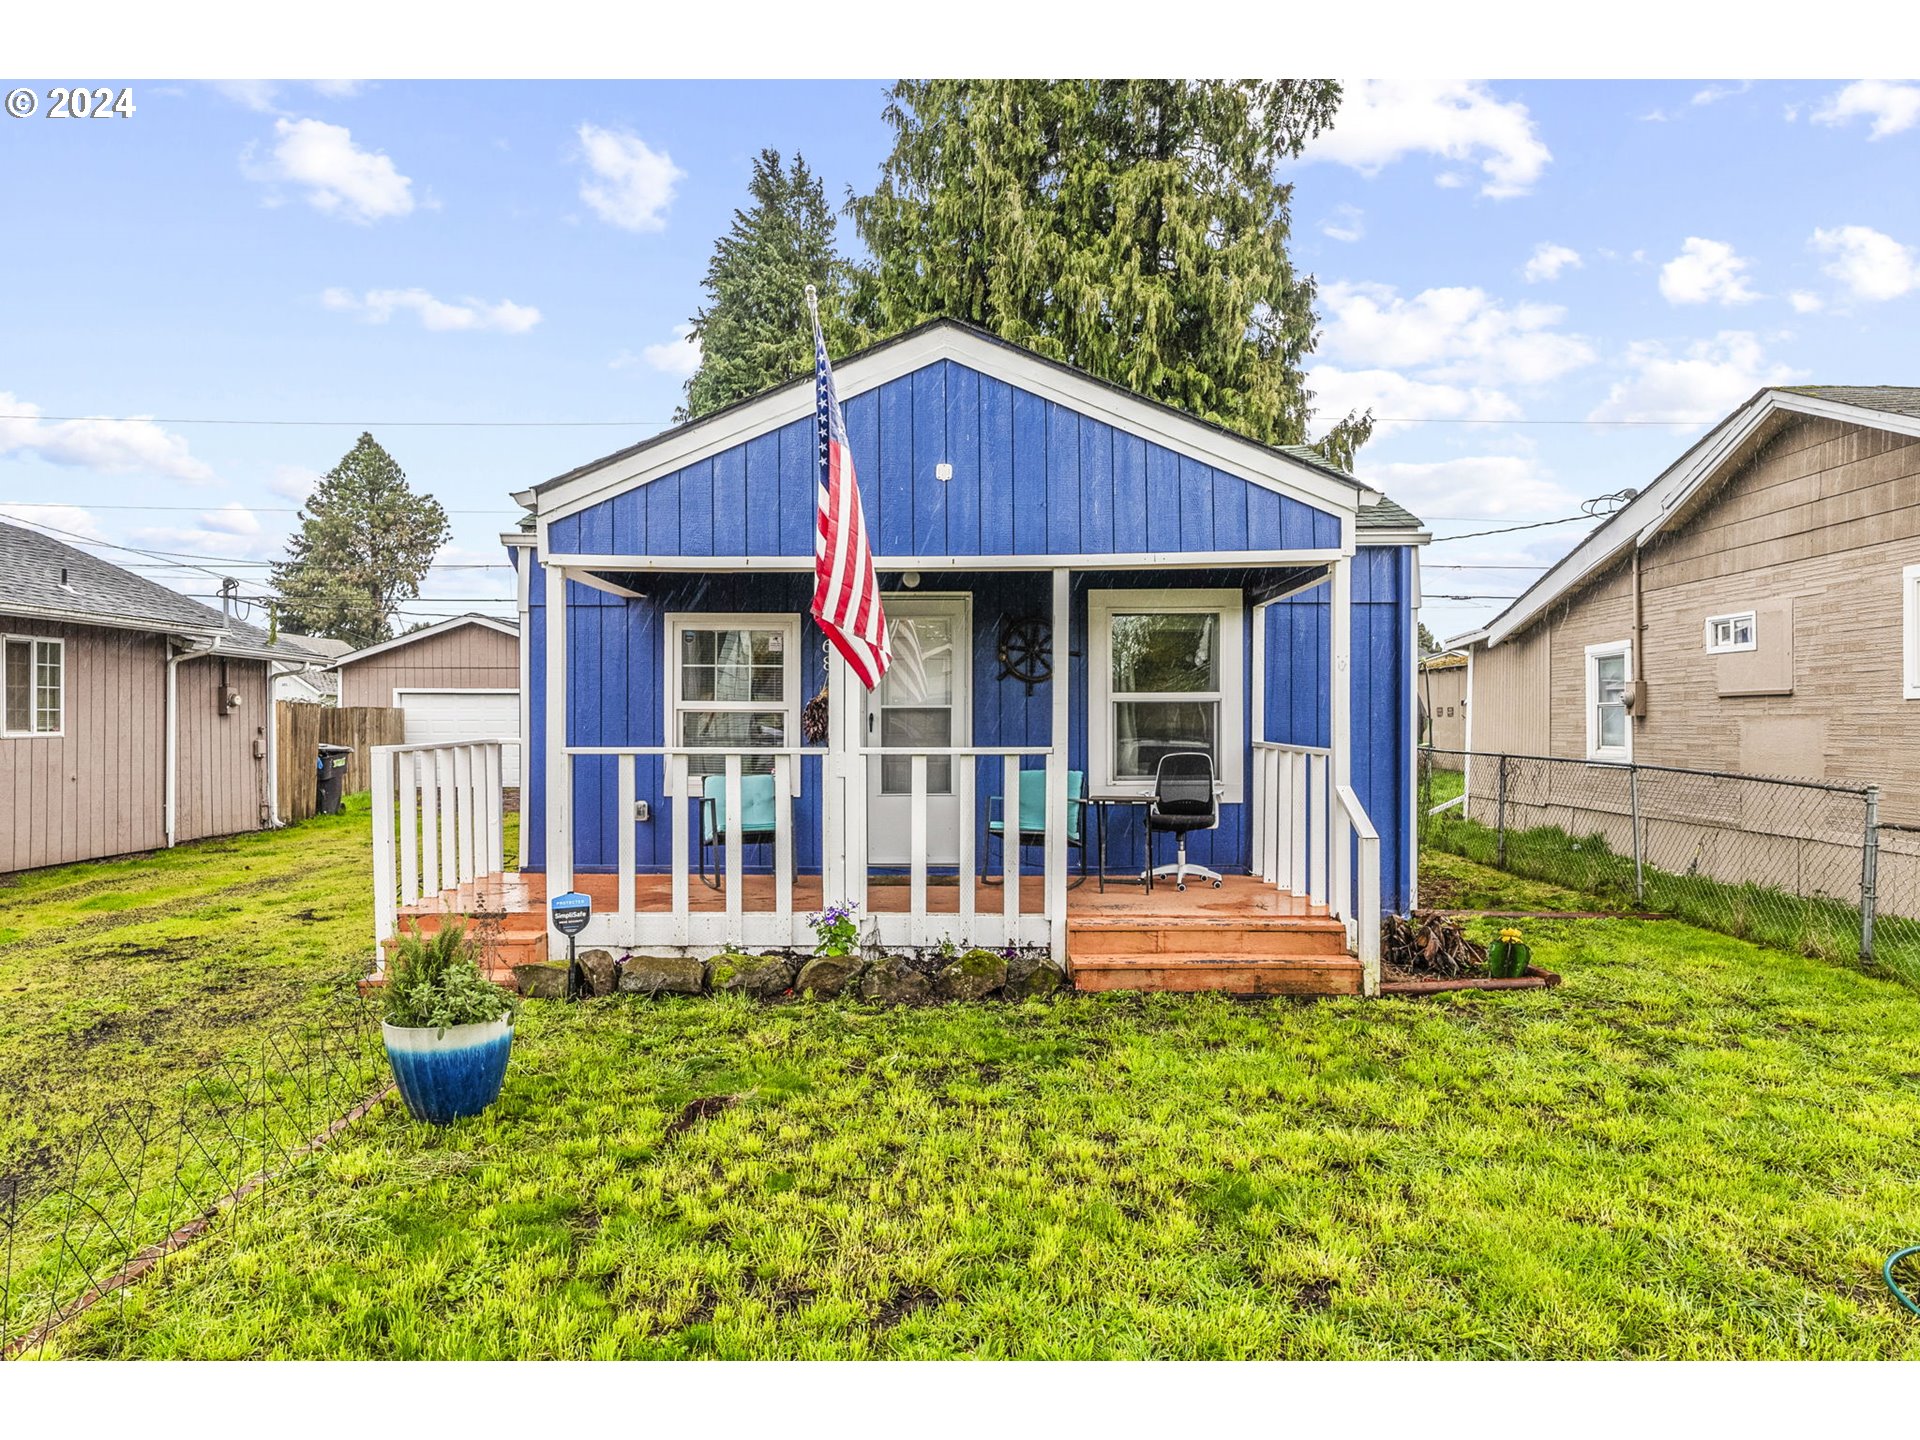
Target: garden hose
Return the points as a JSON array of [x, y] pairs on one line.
[[1894, 1285]]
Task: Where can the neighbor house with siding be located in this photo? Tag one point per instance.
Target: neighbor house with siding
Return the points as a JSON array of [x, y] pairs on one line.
[[135, 717], [458, 679], [1078, 582], [1756, 608]]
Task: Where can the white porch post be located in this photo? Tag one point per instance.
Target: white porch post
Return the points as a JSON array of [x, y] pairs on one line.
[[1340, 734], [559, 769], [1056, 875]]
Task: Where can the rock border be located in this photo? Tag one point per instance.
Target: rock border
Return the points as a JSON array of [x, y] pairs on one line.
[[774, 976]]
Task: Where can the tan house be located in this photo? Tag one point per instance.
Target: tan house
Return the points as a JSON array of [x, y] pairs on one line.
[[455, 680], [1443, 705], [134, 717], [1756, 608]]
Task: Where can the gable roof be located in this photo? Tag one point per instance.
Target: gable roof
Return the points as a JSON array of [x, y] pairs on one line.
[[1683, 486], [1293, 469], [510, 628], [48, 579]]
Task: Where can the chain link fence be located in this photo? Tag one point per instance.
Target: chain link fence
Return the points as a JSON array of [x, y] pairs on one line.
[[87, 1210], [1797, 864]]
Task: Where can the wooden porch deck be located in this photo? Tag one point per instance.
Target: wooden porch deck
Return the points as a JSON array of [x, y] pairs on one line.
[[1244, 938]]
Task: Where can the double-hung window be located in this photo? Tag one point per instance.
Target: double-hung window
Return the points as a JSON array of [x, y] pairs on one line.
[[1165, 678], [733, 682], [1609, 672], [35, 682]]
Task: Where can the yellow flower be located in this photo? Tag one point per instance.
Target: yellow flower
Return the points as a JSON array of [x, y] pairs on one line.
[[1510, 935]]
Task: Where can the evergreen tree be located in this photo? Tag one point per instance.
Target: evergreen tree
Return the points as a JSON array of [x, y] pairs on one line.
[[364, 543], [754, 331], [1428, 645], [1134, 228]]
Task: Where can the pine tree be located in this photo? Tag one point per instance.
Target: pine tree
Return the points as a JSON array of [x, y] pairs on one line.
[[1134, 228], [754, 331], [364, 543]]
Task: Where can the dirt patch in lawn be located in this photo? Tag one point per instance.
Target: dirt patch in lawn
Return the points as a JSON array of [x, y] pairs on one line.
[[695, 1111]]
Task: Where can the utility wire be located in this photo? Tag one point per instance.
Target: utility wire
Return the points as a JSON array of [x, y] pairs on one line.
[[635, 424], [256, 509]]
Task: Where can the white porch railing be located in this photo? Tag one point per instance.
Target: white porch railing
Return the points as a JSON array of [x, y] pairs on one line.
[[438, 822], [1307, 832], [679, 924], [1010, 924], [767, 915]]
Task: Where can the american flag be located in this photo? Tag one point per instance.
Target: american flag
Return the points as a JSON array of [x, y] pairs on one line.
[[846, 593]]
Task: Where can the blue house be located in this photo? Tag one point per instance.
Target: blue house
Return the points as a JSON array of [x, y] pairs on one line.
[[1078, 583]]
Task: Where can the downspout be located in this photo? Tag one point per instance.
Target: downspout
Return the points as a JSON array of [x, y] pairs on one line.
[[170, 808], [1637, 659]]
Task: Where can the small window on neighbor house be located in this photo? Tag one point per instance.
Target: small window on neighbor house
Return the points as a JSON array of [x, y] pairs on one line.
[[1609, 671], [1910, 631], [1727, 634], [35, 686]]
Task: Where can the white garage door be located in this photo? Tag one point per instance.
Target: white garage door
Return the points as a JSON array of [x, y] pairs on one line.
[[434, 716]]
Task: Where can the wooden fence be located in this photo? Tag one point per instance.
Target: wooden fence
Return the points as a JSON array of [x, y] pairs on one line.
[[299, 728]]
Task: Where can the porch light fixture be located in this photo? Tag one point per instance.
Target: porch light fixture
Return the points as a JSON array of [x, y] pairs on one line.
[[911, 579]]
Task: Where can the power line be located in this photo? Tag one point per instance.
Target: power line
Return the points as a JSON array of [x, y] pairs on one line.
[[256, 509], [637, 424], [1509, 529], [1486, 567]]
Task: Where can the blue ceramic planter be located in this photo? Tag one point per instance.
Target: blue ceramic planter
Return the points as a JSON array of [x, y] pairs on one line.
[[447, 1074]]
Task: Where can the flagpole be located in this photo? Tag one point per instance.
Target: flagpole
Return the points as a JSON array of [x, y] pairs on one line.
[[813, 306]]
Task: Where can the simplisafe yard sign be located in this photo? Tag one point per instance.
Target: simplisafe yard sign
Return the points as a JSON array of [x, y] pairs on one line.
[[571, 912]]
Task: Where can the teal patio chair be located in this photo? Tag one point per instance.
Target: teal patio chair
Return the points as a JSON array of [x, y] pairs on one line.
[[757, 818], [1033, 819]]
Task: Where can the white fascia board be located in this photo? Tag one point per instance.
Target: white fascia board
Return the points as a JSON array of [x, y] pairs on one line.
[[519, 539], [727, 564], [1840, 410], [442, 627], [1393, 537], [1144, 419]]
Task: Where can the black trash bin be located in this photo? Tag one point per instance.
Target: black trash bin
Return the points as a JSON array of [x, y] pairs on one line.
[[331, 767]]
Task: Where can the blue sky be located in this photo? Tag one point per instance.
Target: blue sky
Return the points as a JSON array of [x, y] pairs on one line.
[[1506, 253]]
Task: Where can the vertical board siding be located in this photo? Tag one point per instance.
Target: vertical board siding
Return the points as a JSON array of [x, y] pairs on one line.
[[1030, 477], [222, 783], [473, 657]]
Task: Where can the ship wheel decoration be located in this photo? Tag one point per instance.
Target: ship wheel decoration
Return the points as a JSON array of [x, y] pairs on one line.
[[1026, 650]]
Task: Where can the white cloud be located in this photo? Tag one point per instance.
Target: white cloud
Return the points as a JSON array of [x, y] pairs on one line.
[[1495, 485], [1348, 223], [378, 307], [632, 183], [294, 482], [678, 356], [1871, 265], [1706, 270], [1695, 387], [1805, 302], [1547, 261], [264, 95], [233, 518], [1381, 121], [338, 176], [1713, 94], [73, 519], [1890, 104], [232, 532], [98, 443], [1388, 393], [1456, 332]]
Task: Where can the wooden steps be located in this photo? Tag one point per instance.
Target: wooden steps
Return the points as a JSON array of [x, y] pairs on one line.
[[511, 937], [1239, 955]]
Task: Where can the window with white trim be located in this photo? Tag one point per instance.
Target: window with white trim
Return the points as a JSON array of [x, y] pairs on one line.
[[1165, 677], [35, 684], [1910, 631], [1731, 634], [733, 681], [1609, 730]]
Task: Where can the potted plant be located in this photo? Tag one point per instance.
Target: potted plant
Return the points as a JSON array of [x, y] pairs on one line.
[[448, 1028]]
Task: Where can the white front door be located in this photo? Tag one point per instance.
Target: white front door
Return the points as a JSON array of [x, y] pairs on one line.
[[922, 701]]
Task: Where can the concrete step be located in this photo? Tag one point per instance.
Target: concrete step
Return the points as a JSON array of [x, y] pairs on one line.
[[1248, 936], [1230, 974]]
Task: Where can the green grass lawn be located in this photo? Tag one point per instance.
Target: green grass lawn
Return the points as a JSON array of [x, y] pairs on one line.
[[1695, 1148], [118, 977]]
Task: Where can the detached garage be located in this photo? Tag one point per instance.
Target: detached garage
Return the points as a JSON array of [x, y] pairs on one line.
[[457, 680]]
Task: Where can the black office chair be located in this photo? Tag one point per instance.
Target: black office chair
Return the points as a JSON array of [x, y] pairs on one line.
[[1183, 800]]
